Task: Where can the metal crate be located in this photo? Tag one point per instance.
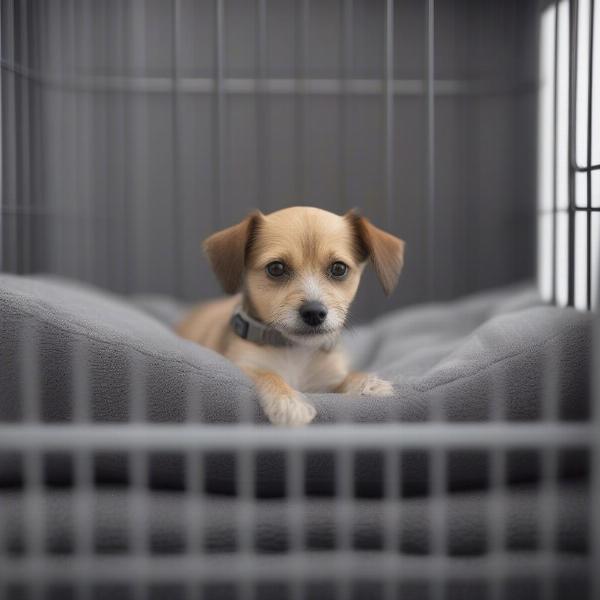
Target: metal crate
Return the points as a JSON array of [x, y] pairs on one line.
[[98, 126]]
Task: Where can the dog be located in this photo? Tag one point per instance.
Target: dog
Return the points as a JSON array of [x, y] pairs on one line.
[[293, 274]]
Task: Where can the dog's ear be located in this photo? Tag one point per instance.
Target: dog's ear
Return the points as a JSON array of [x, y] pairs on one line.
[[384, 250], [227, 250]]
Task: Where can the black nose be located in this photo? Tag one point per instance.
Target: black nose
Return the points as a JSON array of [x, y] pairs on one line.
[[313, 313]]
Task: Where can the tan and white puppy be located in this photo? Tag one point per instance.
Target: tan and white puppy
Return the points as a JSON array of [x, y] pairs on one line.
[[294, 274]]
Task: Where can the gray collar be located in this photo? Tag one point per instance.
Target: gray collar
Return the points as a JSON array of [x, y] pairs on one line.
[[254, 331]]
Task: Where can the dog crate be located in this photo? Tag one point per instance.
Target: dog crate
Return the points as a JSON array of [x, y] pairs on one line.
[[130, 130]]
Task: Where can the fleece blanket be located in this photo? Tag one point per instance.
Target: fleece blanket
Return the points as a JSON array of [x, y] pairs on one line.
[[462, 357]]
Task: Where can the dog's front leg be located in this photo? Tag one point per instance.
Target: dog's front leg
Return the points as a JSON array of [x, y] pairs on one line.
[[282, 404], [366, 384]]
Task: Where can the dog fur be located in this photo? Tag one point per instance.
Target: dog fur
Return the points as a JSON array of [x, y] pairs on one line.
[[307, 241]]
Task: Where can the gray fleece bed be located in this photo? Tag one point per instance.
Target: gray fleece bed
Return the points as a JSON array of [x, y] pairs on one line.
[[454, 354]]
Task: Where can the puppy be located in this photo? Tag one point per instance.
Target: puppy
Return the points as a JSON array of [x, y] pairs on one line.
[[294, 274]]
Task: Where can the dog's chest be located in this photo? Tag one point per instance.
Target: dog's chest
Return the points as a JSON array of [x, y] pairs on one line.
[[306, 370]]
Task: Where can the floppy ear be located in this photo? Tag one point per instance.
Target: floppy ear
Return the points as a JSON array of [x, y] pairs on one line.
[[227, 251], [385, 251]]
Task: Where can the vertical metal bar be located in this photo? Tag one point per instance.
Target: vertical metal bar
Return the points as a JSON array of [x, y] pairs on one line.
[[138, 466], [175, 146], [438, 491], [344, 511], [300, 136], [344, 109], [25, 156], [138, 141], [262, 128], [393, 521], [573, 16], [84, 517], [595, 465], [194, 476], [245, 515], [85, 189], [2, 199], [497, 514], [33, 466], [219, 116], [554, 153], [548, 489], [430, 184], [389, 111], [9, 142], [108, 185], [295, 493], [589, 160]]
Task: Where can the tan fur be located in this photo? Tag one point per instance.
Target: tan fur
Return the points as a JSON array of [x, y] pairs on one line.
[[308, 240]]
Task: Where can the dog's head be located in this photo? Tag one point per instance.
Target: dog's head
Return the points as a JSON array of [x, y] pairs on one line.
[[299, 268]]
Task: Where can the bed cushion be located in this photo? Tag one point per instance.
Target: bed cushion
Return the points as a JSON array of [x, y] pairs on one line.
[[452, 354]]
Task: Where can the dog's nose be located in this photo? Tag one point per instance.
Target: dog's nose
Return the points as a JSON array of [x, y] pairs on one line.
[[313, 313]]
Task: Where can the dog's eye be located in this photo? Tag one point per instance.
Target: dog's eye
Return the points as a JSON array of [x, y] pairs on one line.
[[276, 269], [338, 270]]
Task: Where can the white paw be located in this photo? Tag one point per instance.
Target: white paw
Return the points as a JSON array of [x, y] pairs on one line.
[[373, 386], [292, 410]]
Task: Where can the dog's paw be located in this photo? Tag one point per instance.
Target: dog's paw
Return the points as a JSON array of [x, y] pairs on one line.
[[371, 385], [291, 410]]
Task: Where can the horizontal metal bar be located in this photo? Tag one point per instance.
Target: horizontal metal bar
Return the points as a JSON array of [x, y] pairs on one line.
[[39, 210], [248, 436], [315, 565], [567, 210], [242, 85], [585, 169]]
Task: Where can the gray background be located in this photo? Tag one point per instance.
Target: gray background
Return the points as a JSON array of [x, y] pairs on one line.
[[131, 130]]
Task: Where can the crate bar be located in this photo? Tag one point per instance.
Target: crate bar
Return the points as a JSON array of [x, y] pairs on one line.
[[30, 393], [137, 144], [497, 515], [344, 506], [573, 16], [299, 91], [2, 200], [430, 183], [194, 477], [347, 57], [245, 512], [23, 138], [595, 466], [72, 152], [295, 518], [548, 491], [84, 135], [83, 468], [106, 183], [218, 115], [554, 153], [388, 101], [243, 85], [175, 148], [312, 565], [589, 158], [225, 437], [138, 465], [263, 199], [392, 515], [438, 497], [9, 142]]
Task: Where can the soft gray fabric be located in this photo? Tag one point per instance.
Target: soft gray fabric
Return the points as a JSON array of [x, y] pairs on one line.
[[455, 354]]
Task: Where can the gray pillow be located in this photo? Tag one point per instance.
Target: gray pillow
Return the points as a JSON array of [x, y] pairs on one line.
[[454, 355]]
